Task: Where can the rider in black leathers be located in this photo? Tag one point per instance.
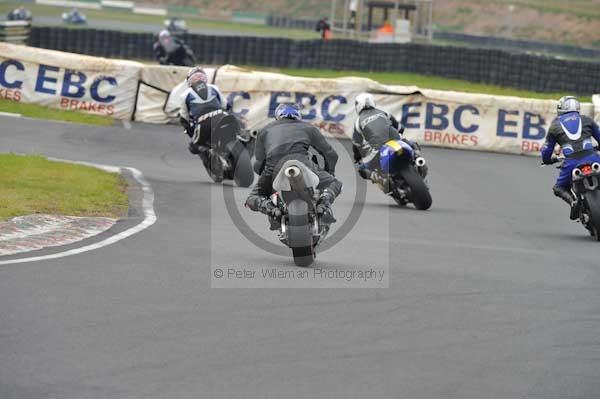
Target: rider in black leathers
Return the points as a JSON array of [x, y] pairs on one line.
[[169, 50], [287, 138], [374, 128]]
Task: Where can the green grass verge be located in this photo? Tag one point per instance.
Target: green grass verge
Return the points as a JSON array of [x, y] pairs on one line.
[[426, 82], [192, 22], [33, 184], [40, 112]]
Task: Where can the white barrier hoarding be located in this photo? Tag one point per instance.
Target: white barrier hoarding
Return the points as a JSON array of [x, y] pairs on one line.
[[150, 93], [437, 118], [68, 81]]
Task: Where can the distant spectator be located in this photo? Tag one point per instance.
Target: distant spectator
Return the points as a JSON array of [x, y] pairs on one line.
[[353, 7], [324, 27]]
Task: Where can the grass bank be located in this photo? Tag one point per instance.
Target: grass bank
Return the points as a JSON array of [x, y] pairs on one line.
[[40, 112], [425, 82], [33, 184], [193, 22]]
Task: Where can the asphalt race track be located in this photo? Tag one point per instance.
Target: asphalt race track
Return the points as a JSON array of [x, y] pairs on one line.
[[493, 293], [95, 23]]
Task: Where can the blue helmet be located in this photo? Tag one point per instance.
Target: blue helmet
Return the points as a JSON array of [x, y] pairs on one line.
[[288, 111]]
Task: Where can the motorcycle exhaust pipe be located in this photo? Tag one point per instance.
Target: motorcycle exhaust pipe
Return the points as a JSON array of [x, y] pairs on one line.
[[292, 171], [294, 175], [254, 134], [420, 162]]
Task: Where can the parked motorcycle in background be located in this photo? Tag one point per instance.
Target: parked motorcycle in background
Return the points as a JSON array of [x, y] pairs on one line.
[[402, 175]]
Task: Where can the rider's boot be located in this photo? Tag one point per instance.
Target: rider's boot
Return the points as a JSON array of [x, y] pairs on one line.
[[566, 195], [382, 182], [214, 164], [324, 207], [274, 223], [267, 207], [203, 152]]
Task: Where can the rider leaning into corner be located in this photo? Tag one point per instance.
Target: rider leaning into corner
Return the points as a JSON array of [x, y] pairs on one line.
[[372, 129], [289, 138], [168, 50], [573, 133], [202, 102]]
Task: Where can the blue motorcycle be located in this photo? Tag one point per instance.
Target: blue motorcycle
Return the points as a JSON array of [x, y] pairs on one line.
[[74, 18], [402, 175], [586, 189]]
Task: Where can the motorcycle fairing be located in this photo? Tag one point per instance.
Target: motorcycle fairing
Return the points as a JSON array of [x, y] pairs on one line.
[[391, 149], [281, 183]]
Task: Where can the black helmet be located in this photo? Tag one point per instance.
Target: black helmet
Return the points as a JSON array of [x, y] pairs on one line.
[[197, 80]]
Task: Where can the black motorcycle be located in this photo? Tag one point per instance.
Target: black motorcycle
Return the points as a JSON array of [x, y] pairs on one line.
[[586, 189], [296, 195], [175, 52], [230, 151]]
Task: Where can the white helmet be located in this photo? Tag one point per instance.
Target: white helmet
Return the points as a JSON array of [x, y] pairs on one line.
[[567, 104], [163, 34], [364, 101]]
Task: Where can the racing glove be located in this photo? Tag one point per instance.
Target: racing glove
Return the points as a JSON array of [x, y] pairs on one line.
[[267, 207]]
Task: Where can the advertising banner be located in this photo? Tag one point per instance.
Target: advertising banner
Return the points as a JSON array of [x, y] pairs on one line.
[[153, 94], [68, 81]]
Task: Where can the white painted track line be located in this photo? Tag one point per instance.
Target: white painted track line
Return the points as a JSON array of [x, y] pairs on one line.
[[149, 219]]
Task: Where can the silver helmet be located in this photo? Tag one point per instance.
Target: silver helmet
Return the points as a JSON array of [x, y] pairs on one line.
[[568, 104]]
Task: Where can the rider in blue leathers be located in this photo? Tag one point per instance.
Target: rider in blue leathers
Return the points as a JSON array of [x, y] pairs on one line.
[[202, 103], [573, 133]]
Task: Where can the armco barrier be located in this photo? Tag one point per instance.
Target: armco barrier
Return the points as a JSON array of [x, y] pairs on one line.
[[14, 31], [491, 66]]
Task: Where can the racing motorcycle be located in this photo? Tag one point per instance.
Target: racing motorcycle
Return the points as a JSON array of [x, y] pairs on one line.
[[20, 14], [402, 175], [177, 53], [295, 195], [586, 188], [230, 151], [74, 18]]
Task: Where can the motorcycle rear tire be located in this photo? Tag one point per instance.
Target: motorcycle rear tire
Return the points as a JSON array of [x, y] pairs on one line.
[[419, 192], [592, 199], [243, 174], [300, 233]]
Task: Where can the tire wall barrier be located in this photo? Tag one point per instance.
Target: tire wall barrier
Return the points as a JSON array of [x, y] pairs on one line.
[[152, 93], [490, 66]]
